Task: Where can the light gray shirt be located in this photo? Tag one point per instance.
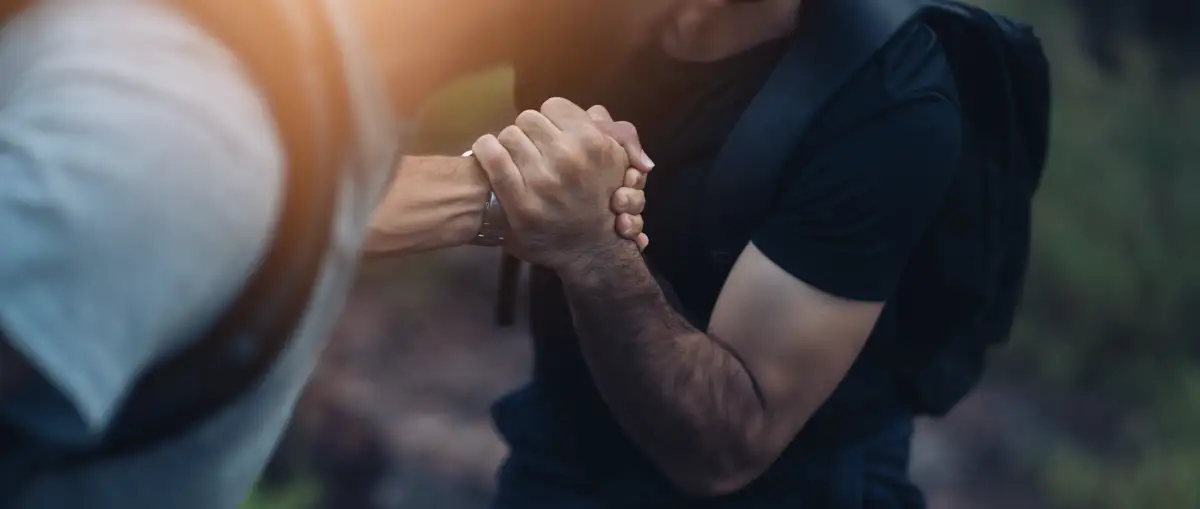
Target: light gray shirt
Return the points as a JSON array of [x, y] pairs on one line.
[[139, 178]]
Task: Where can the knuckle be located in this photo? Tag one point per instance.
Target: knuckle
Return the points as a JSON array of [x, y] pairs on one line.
[[637, 202], [492, 157], [483, 147], [481, 142], [620, 200], [592, 140], [627, 129], [573, 163], [623, 132], [490, 153], [554, 103], [633, 178], [565, 150], [614, 135], [509, 135], [560, 151], [606, 127], [527, 117], [629, 201]]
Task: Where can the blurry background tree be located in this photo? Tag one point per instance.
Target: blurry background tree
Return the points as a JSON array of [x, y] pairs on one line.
[[1095, 404], [1110, 321]]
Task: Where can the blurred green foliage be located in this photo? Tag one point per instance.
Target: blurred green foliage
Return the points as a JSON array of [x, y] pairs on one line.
[[298, 495], [467, 109], [1112, 309]]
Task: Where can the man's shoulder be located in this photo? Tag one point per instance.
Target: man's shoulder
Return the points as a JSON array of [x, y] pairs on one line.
[[913, 65], [914, 60]]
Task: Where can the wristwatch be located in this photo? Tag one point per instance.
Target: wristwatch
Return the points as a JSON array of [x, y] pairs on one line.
[[495, 223]]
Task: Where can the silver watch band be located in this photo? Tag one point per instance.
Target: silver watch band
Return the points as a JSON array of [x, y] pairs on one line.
[[495, 223]]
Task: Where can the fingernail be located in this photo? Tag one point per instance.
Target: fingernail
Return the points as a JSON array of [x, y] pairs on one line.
[[649, 163]]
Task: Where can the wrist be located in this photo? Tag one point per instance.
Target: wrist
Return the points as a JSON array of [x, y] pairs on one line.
[[595, 264], [466, 226], [433, 202]]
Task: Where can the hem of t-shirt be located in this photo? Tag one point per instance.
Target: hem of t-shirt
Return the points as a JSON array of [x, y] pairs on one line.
[[864, 289], [76, 371]]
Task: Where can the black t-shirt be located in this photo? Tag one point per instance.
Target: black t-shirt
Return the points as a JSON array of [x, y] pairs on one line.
[[870, 177]]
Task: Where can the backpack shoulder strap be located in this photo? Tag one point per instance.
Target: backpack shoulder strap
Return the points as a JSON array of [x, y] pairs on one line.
[[833, 41], [290, 52]]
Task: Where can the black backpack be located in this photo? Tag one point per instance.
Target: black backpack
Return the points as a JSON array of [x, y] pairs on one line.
[[1004, 90], [289, 50]]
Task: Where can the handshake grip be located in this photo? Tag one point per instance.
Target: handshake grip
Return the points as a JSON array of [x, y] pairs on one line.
[[534, 128]]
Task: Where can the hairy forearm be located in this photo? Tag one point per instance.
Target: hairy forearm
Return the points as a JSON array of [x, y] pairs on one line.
[[680, 394], [434, 202]]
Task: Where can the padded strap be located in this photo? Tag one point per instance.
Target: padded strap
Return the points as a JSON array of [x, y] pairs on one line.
[[290, 51]]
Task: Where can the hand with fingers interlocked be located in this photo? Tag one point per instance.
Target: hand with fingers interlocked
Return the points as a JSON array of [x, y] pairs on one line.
[[570, 181]]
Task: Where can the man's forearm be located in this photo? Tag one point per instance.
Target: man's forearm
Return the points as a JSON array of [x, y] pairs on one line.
[[434, 202], [682, 396]]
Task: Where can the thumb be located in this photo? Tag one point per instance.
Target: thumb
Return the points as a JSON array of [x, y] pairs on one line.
[[599, 113], [625, 134]]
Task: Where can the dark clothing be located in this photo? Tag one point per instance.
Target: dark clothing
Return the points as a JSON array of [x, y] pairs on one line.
[[869, 474], [869, 178]]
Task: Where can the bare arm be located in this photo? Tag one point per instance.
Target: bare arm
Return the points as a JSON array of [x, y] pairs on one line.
[[434, 202], [714, 409], [437, 202]]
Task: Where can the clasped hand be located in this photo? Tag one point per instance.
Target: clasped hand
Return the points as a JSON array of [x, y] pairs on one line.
[[570, 181]]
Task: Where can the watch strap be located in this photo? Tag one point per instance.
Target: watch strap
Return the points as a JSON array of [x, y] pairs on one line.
[[495, 223]]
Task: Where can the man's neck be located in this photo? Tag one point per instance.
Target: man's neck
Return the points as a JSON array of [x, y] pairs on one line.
[[708, 33], [419, 46]]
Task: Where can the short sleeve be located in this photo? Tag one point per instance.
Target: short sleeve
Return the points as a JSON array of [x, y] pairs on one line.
[[139, 174], [859, 206]]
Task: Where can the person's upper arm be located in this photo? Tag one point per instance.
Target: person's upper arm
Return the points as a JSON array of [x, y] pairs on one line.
[[805, 295], [848, 224], [140, 172]]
